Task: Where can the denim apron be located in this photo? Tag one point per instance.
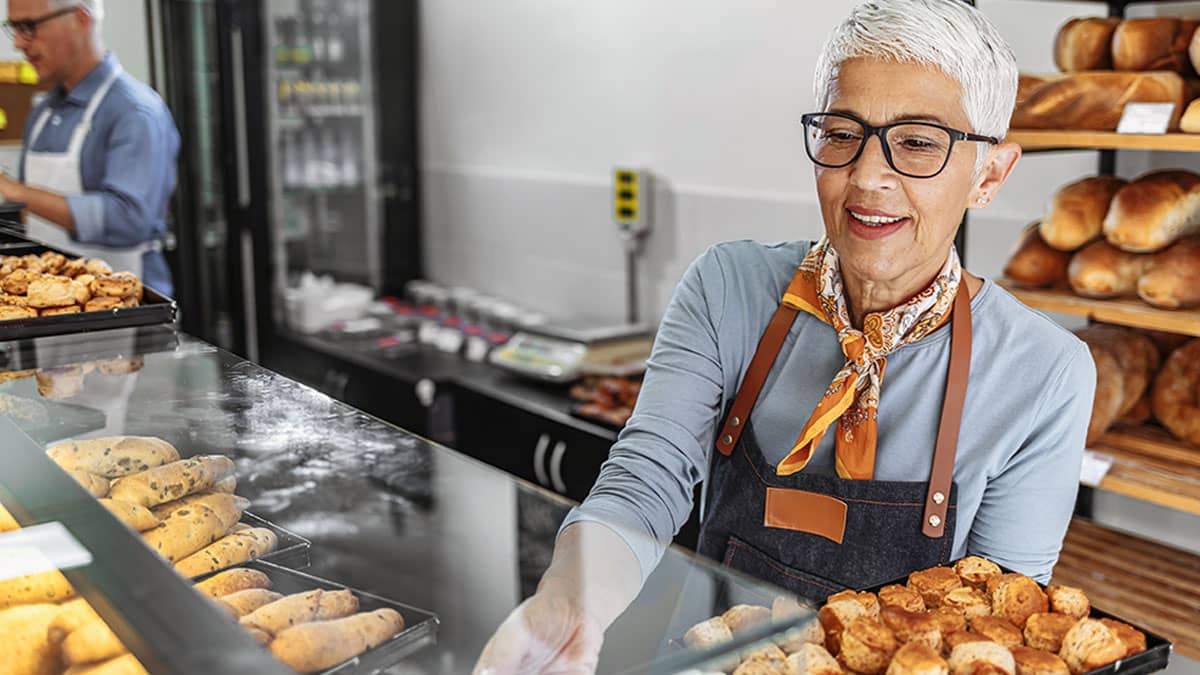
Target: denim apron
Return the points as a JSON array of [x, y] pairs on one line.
[[819, 534]]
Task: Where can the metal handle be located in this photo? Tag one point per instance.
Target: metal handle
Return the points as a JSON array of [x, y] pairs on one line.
[[556, 459], [239, 118], [539, 460]]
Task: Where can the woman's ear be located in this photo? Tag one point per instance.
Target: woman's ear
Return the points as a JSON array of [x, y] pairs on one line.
[[996, 168]]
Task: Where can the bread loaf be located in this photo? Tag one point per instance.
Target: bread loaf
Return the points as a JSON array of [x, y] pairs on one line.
[[315, 605], [72, 615], [229, 550], [318, 646], [186, 531], [1173, 280], [1136, 355], [1077, 212], [113, 457], [243, 602], [1099, 270], [172, 481], [1027, 83], [125, 664], [91, 642], [1085, 44], [1095, 100], [136, 517], [26, 648], [1176, 398], [1157, 43], [1107, 403], [228, 507], [1154, 211], [96, 485], [232, 581], [1034, 264], [49, 586]]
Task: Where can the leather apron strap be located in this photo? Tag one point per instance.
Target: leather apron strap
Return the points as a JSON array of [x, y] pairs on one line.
[[942, 474]]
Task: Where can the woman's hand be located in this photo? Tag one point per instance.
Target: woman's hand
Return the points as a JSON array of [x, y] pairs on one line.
[[548, 634]]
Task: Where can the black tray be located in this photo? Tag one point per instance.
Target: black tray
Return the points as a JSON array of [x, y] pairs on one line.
[[155, 308], [291, 550], [420, 626], [1158, 648]]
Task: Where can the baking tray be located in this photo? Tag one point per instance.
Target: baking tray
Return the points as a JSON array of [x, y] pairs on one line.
[[420, 626], [155, 309], [1155, 658], [291, 550]]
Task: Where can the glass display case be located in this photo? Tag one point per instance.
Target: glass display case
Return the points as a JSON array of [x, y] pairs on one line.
[[389, 514]]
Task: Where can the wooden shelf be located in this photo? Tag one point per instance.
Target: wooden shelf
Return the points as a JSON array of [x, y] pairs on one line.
[[1152, 442], [1158, 481], [1031, 140], [1154, 586], [1124, 311]]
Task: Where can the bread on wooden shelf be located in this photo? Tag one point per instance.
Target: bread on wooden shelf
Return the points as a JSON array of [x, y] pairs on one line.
[[1173, 280], [1085, 43], [1156, 43], [1077, 212], [1034, 264], [1100, 270], [1154, 211], [1094, 100]]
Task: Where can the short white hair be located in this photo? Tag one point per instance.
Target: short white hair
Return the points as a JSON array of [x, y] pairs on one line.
[[93, 7], [949, 35]]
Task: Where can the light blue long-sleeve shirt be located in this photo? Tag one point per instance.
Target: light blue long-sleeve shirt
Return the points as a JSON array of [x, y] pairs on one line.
[[127, 163], [1017, 468]]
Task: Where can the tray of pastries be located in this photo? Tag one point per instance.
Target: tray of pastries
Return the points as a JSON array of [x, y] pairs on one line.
[[44, 291], [966, 618]]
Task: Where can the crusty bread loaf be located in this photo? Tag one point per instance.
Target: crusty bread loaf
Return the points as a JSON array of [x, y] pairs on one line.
[[318, 646], [1173, 280], [1077, 212], [1095, 100], [113, 457], [172, 481], [1176, 397], [1137, 355], [1027, 83], [1156, 43], [228, 507], [231, 549], [315, 605], [186, 531], [1154, 211], [1099, 270], [1035, 264], [232, 581], [1106, 405], [1085, 44]]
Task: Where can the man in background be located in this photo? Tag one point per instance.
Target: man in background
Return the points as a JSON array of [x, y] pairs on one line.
[[98, 158]]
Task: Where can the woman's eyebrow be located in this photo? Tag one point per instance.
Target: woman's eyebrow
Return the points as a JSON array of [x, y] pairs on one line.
[[902, 117]]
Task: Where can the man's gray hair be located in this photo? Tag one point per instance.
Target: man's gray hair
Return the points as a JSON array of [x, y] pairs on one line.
[[949, 35], [93, 7]]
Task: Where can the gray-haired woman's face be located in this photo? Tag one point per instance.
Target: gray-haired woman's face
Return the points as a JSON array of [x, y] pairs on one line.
[[911, 222]]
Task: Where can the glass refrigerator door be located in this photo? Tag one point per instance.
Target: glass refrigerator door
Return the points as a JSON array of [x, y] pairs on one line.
[[325, 201]]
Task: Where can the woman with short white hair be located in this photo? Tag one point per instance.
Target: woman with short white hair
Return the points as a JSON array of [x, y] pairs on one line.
[[861, 406]]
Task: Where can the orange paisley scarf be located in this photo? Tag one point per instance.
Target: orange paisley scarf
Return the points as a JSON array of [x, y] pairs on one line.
[[852, 399]]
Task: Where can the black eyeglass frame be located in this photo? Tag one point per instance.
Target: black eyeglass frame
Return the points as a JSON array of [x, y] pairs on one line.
[[27, 28], [881, 133]]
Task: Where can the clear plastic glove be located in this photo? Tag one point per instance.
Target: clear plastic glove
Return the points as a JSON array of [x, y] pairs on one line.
[[548, 634]]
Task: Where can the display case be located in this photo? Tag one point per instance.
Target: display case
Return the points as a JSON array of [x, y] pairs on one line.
[[388, 514]]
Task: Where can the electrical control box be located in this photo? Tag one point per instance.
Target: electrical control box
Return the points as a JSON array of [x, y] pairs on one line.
[[633, 195]]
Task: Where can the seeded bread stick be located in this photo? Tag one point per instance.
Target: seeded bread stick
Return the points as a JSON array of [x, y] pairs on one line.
[[231, 549], [243, 602], [96, 485], [49, 586], [136, 517], [126, 664], [316, 646], [228, 508], [315, 605], [115, 456], [232, 581], [91, 642], [172, 481], [26, 649], [71, 615]]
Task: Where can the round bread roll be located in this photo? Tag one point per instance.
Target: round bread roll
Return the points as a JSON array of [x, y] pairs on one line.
[[975, 571], [970, 601], [1133, 639], [813, 659], [740, 618], [1090, 645], [916, 658], [97, 267], [1068, 600], [51, 291], [961, 637], [999, 629], [1032, 661], [902, 597], [974, 658], [1173, 280], [1154, 211], [1017, 599], [1085, 44], [912, 626], [1034, 264], [1108, 400], [934, 583], [1077, 212], [18, 282], [868, 600], [1099, 270], [114, 285], [10, 312], [101, 304], [867, 646], [1047, 630], [949, 620], [708, 634], [1157, 43], [835, 617], [1176, 396]]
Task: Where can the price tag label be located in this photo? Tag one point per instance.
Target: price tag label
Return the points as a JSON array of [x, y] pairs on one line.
[[1095, 467], [1145, 118]]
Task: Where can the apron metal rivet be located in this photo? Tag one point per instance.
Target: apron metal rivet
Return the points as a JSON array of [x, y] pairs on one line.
[[727, 439], [938, 498], [735, 421], [935, 521]]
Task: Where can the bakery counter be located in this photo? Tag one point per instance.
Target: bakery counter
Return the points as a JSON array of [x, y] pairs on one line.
[[387, 512]]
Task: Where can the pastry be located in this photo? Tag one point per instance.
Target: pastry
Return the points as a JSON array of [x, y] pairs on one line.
[[976, 658], [867, 646], [902, 597], [73, 268], [949, 620], [813, 659], [102, 304], [912, 626], [83, 292], [916, 658], [54, 262], [969, 600], [975, 571], [1090, 645], [959, 637], [18, 282], [933, 583], [869, 601], [740, 618], [1000, 630], [122, 285], [1032, 661], [1133, 639], [1047, 630], [707, 634], [1017, 599], [96, 266], [835, 617], [1068, 600], [786, 607], [10, 312], [58, 311]]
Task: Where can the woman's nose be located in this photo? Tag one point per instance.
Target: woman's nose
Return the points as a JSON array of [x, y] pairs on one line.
[[871, 170]]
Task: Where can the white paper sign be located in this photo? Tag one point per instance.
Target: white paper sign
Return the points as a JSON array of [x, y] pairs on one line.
[[1145, 118], [1095, 467]]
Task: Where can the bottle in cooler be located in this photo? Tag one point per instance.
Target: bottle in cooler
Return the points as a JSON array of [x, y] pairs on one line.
[[331, 166], [351, 152]]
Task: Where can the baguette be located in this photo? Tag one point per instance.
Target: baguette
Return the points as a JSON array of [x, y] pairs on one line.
[[30, 589], [243, 602], [318, 646], [126, 664], [136, 517], [185, 532], [96, 485], [315, 605], [1173, 280], [91, 642], [1095, 100], [172, 481], [232, 581], [227, 507], [231, 549], [27, 649], [115, 456]]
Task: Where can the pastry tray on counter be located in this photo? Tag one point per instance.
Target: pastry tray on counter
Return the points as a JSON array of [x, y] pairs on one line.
[[420, 626], [1158, 648], [155, 308]]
